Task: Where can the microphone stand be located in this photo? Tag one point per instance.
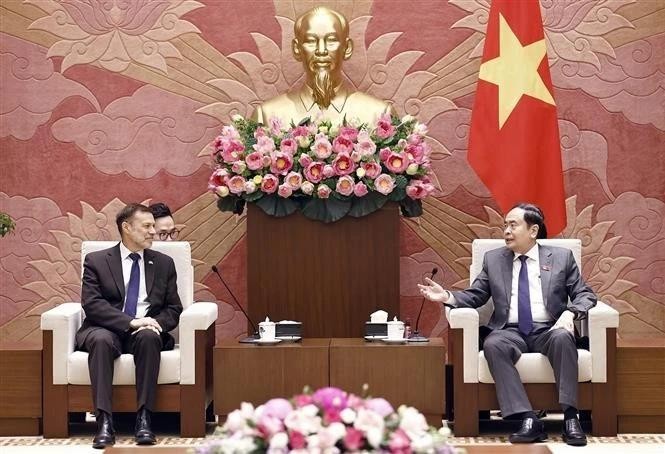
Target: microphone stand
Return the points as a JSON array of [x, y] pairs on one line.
[[249, 339], [416, 336]]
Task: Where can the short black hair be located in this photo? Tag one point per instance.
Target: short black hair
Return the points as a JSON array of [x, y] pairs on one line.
[[128, 212], [160, 210], [533, 215]]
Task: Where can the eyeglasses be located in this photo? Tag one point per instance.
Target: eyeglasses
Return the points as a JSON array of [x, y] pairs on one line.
[[173, 234]]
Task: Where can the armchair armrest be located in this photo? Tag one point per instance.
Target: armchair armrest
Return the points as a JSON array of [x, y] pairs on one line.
[[64, 320], [198, 316], [601, 317], [468, 321]]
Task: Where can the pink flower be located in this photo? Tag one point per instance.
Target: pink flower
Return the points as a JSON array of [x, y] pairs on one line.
[[331, 415], [267, 160], [385, 153], [302, 399], [236, 184], [293, 180], [384, 184], [218, 178], [365, 145], [372, 169], [419, 190], [299, 131], [269, 183], [260, 132], [399, 442], [356, 156], [328, 171], [360, 189], [380, 406], [321, 147], [414, 139], [323, 191], [345, 185], [275, 126], [264, 144], [415, 153], [254, 160], [305, 160], [277, 408], [297, 440], [232, 150], [330, 397], [284, 191], [230, 132], [288, 146], [342, 144], [343, 164], [397, 162], [239, 167], [384, 127], [314, 172], [349, 133], [269, 425], [353, 440], [281, 163]]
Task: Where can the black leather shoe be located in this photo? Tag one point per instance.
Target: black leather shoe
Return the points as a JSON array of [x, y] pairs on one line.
[[144, 434], [573, 433], [532, 430], [105, 433]]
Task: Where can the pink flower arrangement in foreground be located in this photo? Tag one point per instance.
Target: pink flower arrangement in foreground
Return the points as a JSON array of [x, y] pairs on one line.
[[327, 421], [389, 160]]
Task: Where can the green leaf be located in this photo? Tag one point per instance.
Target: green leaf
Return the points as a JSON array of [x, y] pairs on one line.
[[362, 206], [273, 205], [254, 196], [401, 181], [326, 210], [305, 121], [231, 203], [397, 194], [411, 208]]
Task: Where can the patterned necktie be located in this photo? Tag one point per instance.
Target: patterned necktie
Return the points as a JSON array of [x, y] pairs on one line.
[[133, 288], [525, 320]]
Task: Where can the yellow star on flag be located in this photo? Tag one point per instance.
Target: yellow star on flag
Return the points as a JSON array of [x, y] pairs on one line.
[[515, 71]]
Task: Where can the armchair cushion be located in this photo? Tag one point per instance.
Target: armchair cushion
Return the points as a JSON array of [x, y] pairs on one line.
[[123, 368], [536, 368], [64, 321]]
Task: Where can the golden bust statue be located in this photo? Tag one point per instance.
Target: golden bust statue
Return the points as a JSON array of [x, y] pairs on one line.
[[322, 44]]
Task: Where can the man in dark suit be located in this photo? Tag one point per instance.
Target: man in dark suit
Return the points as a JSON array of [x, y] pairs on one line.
[[130, 299], [530, 286]]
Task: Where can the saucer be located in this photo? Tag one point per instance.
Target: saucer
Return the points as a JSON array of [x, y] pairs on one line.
[[289, 338], [268, 341], [374, 338], [401, 340]]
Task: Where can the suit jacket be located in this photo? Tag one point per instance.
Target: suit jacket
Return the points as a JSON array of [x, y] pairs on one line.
[[103, 293], [560, 279]]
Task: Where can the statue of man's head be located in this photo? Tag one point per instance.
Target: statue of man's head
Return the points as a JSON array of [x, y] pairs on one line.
[[322, 43]]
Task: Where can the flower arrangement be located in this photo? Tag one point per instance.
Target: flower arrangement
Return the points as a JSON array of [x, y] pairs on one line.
[[326, 171], [327, 421], [7, 224]]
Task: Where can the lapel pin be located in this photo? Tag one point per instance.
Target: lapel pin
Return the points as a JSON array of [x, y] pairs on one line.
[[149, 262], [545, 267]]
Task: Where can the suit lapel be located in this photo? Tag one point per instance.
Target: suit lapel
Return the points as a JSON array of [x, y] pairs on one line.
[[545, 257], [115, 265], [507, 268], [149, 266]]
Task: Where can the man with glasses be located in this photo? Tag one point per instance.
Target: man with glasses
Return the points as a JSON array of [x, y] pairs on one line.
[[165, 229]]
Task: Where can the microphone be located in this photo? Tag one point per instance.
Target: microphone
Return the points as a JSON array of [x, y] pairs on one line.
[[250, 339], [416, 337]]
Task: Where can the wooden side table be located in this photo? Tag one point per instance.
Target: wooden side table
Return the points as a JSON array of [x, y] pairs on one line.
[[256, 373], [411, 374], [640, 384], [20, 389]]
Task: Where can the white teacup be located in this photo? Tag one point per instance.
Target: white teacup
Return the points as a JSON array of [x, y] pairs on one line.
[[267, 331], [395, 330]]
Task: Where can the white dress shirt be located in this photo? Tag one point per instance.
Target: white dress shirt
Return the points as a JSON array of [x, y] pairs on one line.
[[127, 262], [538, 311]]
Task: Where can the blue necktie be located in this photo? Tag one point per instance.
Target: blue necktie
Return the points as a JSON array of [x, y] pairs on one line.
[[525, 320], [133, 288]]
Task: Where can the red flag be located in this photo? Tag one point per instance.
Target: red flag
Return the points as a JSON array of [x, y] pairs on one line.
[[514, 140]]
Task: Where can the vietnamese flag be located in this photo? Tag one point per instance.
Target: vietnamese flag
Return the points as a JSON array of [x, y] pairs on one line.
[[514, 140]]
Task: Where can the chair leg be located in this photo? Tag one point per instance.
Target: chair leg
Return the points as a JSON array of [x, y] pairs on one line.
[[192, 411], [466, 422]]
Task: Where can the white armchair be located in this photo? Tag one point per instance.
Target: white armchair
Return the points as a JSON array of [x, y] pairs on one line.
[[473, 384], [184, 383]]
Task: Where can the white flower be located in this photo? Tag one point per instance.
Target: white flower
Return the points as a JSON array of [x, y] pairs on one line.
[[372, 424], [423, 443], [237, 117], [412, 422], [420, 129], [250, 186], [347, 415], [304, 420], [323, 129], [407, 118], [304, 141], [257, 179], [279, 442], [334, 131], [222, 191], [360, 172], [307, 187]]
